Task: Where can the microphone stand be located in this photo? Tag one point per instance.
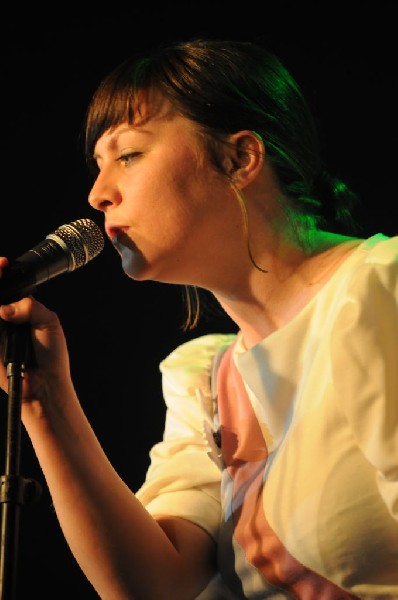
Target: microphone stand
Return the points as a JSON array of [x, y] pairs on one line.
[[15, 490]]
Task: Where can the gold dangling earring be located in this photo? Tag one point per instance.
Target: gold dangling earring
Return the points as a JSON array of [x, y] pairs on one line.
[[242, 205]]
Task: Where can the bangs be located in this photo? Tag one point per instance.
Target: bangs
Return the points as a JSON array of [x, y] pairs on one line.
[[119, 99]]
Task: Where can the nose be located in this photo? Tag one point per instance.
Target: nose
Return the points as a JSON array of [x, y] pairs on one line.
[[103, 194]]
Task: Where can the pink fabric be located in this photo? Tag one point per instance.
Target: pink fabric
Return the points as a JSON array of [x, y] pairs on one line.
[[245, 455]]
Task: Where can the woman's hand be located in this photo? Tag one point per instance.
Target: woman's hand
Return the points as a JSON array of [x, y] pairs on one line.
[[50, 360]]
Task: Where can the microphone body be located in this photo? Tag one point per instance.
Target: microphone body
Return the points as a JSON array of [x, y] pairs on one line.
[[66, 249]]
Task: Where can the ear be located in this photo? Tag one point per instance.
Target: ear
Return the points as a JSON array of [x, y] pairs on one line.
[[246, 157]]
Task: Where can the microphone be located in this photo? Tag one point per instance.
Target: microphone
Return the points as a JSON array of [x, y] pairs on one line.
[[69, 247]]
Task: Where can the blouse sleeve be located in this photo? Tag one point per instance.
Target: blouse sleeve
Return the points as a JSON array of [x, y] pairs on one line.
[[182, 480], [365, 358]]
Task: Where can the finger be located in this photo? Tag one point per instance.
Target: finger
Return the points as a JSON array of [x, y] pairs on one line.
[[3, 262], [16, 312], [28, 309]]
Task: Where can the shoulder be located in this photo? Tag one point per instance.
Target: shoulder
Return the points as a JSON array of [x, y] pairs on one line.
[[376, 268], [380, 249], [367, 315], [197, 354], [190, 364]]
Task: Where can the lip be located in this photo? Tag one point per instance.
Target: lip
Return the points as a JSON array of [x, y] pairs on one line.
[[113, 231]]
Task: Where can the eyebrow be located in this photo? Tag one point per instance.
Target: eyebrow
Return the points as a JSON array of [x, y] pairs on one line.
[[113, 138]]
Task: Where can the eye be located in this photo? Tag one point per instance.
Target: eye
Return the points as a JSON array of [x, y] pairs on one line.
[[128, 157]]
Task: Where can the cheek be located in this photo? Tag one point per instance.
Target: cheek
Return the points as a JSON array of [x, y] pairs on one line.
[[195, 185], [173, 194]]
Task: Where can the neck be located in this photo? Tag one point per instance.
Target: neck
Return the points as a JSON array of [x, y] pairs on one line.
[[261, 302]]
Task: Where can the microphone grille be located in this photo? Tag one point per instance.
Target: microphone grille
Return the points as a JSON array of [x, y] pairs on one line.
[[83, 239]]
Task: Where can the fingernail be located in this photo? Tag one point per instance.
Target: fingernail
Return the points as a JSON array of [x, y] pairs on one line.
[[8, 310]]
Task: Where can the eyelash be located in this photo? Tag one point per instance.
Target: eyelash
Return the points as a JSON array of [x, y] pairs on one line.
[[125, 158]]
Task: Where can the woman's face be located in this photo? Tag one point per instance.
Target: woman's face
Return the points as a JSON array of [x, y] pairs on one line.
[[167, 210]]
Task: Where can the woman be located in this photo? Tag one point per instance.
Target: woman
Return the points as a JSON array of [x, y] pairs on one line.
[[277, 475]]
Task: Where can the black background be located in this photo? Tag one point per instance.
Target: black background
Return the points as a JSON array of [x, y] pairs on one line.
[[118, 330]]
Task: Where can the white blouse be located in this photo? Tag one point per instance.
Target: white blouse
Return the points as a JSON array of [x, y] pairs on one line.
[[324, 388]]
